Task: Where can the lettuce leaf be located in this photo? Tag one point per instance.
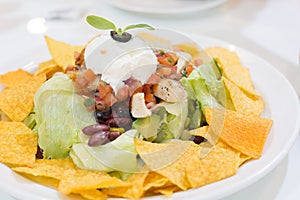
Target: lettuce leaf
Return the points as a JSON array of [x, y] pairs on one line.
[[60, 116], [166, 122], [117, 156], [148, 126], [203, 85]]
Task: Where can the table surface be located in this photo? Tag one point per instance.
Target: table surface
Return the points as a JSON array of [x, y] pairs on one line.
[[268, 28]]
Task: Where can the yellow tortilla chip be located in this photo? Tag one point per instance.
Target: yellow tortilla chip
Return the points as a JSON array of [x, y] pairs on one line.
[[244, 158], [18, 145], [49, 68], [134, 190], [167, 191], [152, 39], [202, 131], [4, 117], [154, 180], [218, 164], [247, 134], [232, 68], [47, 168], [15, 78], [206, 133], [17, 102], [77, 180], [45, 65], [93, 194], [167, 159], [190, 48], [242, 102], [62, 53], [48, 182]]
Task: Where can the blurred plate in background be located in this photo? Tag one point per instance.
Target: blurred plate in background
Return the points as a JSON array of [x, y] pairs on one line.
[[165, 6]]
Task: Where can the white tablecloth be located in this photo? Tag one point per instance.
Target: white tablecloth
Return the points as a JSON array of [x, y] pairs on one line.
[[268, 28]]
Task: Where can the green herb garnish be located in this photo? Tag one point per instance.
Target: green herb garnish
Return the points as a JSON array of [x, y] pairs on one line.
[[117, 34]]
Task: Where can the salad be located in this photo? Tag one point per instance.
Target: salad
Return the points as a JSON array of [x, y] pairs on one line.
[[135, 114]]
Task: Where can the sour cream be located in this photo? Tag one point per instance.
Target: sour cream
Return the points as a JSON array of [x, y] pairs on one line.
[[118, 61]]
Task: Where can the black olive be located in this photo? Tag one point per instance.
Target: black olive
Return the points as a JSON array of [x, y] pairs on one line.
[[120, 122], [121, 109], [125, 37], [39, 153], [103, 114], [198, 139]]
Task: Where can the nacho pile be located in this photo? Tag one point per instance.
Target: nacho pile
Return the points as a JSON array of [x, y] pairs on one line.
[[232, 137]]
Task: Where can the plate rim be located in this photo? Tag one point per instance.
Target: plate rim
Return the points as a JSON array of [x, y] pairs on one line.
[[229, 189]]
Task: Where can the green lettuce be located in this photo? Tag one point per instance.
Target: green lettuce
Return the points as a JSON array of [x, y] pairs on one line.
[[204, 86], [30, 122], [167, 122], [117, 156], [60, 116], [148, 126]]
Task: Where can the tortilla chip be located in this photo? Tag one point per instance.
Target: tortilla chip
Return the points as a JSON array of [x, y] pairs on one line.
[[218, 164], [77, 180], [49, 68], [134, 190], [242, 102], [47, 168], [18, 144], [167, 191], [232, 68], [93, 194], [62, 53], [154, 180], [45, 181], [167, 159], [206, 133], [190, 48], [45, 65], [202, 131], [17, 102], [244, 158], [154, 40], [4, 117], [15, 78], [245, 133]]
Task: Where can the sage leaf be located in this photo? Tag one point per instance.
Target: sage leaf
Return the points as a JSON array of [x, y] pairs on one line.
[[139, 26], [100, 23]]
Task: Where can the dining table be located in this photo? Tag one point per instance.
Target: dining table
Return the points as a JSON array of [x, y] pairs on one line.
[[269, 29]]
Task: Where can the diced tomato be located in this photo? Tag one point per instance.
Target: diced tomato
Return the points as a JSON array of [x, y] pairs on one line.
[[109, 100], [154, 79], [174, 67], [189, 69], [81, 83], [90, 76], [168, 59], [134, 85], [104, 89], [149, 97], [79, 57], [198, 62], [150, 105], [123, 93], [71, 68], [100, 105], [164, 71], [147, 89]]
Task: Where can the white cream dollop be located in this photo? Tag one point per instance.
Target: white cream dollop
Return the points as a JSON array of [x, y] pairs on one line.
[[118, 61]]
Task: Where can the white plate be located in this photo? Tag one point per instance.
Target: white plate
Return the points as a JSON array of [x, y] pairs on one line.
[[165, 6], [282, 105]]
